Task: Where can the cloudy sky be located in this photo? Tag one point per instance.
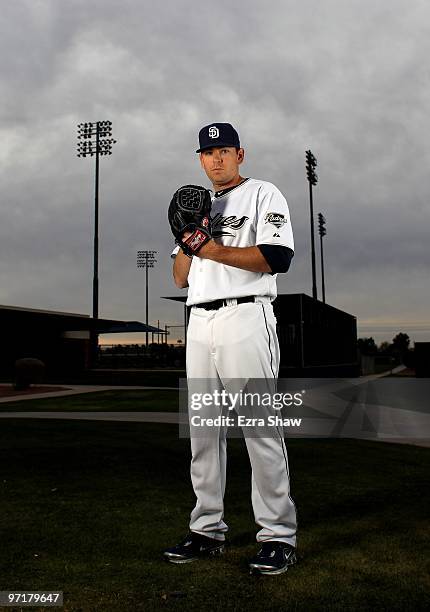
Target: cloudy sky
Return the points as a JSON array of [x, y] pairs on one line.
[[348, 79]]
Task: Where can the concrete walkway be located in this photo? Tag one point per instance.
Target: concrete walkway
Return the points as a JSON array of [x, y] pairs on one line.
[[78, 389], [172, 418], [75, 390], [358, 416], [139, 417]]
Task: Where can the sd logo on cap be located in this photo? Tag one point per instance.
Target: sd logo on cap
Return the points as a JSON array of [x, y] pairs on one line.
[[218, 135]]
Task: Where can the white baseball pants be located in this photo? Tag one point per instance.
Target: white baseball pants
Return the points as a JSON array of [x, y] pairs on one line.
[[226, 348]]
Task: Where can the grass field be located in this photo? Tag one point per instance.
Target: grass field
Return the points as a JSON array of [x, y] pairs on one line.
[[87, 508], [135, 400]]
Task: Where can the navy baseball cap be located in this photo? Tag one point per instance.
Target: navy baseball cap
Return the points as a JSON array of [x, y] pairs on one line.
[[218, 135]]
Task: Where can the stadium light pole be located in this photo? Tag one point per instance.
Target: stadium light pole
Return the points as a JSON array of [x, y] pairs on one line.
[[311, 164], [322, 232], [94, 138], [146, 259]]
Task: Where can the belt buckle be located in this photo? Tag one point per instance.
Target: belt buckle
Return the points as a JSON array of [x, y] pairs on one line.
[[230, 301]]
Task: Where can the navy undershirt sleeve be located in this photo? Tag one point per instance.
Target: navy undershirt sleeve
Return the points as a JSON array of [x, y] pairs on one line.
[[277, 256]]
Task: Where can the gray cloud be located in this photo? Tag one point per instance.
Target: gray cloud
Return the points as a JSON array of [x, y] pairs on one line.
[[347, 79]]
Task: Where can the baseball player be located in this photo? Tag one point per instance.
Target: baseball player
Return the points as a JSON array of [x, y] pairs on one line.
[[229, 265]]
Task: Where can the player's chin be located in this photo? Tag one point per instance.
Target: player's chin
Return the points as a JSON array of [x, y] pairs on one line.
[[220, 178]]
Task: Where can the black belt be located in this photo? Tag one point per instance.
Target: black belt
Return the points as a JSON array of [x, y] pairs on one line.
[[216, 304]]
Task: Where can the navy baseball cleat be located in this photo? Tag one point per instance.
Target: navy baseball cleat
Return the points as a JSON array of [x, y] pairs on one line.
[[193, 547], [273, 558]]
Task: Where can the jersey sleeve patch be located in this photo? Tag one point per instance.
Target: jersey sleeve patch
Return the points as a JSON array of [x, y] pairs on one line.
[[276, 219], [273, 220]]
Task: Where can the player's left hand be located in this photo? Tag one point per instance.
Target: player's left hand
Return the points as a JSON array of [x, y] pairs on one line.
[[189, 215], [208, 249], [204, 250]]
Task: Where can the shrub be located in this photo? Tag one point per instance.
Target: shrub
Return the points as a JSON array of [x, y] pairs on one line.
[[28, 371]]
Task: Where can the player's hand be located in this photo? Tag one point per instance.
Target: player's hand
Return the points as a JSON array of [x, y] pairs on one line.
[[189, 211], [208, 249], [184, 236]]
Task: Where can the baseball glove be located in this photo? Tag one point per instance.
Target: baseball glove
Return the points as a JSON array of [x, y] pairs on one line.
[[189, 211]]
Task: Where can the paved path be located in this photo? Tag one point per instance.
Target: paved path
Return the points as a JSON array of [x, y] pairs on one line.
[[75, 390], [172, 418], [78, 389], [140, 417], [342, 408]]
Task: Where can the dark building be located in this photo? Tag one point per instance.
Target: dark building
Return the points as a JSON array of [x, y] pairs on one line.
[[315, 339], [60, 339], [422, 359]]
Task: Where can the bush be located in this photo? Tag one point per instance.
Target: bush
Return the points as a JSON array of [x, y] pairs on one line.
[[28, 370]]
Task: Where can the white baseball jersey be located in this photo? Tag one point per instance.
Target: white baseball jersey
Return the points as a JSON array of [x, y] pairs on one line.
[[255, 212]]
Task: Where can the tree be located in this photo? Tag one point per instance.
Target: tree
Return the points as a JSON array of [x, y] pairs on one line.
[[367, 346], [400, 346], [384, 347], [401, 342]]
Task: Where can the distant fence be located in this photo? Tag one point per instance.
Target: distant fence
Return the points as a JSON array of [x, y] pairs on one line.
[[376, 364], [140, 355]]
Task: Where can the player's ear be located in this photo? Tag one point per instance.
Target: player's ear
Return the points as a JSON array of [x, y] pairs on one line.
[[240, 155], [201, 160]]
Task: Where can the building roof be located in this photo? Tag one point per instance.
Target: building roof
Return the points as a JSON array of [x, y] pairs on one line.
[[281, 297], [176, 298], [131, 327], [67, 321], [38, 310]]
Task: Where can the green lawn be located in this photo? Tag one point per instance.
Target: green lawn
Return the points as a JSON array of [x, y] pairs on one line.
[[87, 507], [134, 400]]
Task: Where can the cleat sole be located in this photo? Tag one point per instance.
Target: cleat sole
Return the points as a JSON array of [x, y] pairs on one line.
[[180, 560]]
